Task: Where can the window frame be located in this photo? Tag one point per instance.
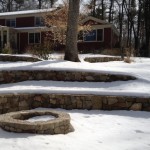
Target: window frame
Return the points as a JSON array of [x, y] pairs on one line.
[[10, 20], [34, 38], [41, 25], [96, 35]]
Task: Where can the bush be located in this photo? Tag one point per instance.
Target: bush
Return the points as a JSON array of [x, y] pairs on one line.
[[41, 50], [129, 53], [7, 49]]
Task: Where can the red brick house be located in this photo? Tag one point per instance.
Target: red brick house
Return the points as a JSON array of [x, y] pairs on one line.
[[23, 28]]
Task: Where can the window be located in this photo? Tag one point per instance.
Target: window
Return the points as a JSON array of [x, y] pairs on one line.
[[94, 36], [99, 34], [11, 22], [90, 36], [34, 38], [39, 21]]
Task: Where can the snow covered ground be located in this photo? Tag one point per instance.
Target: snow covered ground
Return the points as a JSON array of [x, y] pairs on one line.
[[140, 68], [94, 130]]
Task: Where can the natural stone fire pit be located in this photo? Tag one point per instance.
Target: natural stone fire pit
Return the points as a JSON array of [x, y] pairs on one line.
[[17, 122]]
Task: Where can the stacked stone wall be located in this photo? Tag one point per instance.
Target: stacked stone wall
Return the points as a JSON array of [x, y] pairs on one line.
[[24, 75], [102, 59], [16, 102], [13, 58]]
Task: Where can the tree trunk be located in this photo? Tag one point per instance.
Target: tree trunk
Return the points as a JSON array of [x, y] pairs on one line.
[[94, 8], [71, 51], [147, 26], [110, 10], [121, 11], [137, 41], [40, 4], [9, 6]]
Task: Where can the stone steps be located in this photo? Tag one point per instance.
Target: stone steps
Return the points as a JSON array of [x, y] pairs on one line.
[[16, 102]]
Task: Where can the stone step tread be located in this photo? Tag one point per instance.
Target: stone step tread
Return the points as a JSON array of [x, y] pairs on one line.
[[124, 88]]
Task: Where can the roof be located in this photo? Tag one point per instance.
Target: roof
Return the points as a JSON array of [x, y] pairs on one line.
[[103, 22], [26, 12], [94, 19]]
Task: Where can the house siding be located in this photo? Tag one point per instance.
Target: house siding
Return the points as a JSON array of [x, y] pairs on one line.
[[115, 40], [2, 22], [90, 46], [25, 22], [23, 41], [92, 22], [107, 37]]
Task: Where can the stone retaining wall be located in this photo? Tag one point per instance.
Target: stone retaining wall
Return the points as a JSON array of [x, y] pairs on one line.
[[24, 75], [102, 59], [13, 58], [12, 102]]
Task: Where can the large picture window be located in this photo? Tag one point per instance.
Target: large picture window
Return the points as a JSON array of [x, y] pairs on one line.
[[93, 36], [90, 36], [34, 38]]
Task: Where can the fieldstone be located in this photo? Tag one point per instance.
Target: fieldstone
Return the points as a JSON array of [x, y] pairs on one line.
[[136, 107], [89, 78], [79, 104], [103, 77], [112, 100], [23, 103], [3, 100], [141, 100], [96, 103], [38, 98]]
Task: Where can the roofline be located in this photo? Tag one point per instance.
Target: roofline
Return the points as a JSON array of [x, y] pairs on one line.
[[26, 12], [93, 18], [100, 21]]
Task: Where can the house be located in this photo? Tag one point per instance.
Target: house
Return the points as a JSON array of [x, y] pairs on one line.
[[21, 29], [102, 35]]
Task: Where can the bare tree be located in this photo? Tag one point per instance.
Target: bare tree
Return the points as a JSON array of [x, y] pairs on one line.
[[110, 18], [147, 26], [71, 51]]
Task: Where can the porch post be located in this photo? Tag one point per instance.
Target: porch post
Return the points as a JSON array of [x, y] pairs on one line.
[[2, 38], [8, 42]]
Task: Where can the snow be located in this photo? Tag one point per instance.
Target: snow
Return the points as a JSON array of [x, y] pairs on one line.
[[26, 12], [123, 88], [139, 68], [106, 130], [40, 118]]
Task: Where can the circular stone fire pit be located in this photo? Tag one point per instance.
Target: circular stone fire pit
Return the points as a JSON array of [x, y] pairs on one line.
[[17, 122]]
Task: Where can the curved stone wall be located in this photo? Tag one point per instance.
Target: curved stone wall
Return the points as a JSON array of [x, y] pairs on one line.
[[24, 75], [16, 122], [16, 102], [14, 58], [102, 59]]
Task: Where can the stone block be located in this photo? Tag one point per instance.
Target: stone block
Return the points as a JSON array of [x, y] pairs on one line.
[[136, 107], [112, 100]]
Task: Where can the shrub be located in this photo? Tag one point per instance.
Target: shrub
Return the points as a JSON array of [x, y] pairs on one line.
[[41, 50], [7, 49], [129, 53]]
